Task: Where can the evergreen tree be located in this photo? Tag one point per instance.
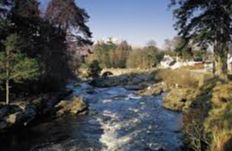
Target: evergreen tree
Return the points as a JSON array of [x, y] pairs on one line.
[[23, 18], [14, 65], [94, 69], [206, 23], [103, 52], [182, 49], [121, 54], [70, 21], [45, 38], [67, 16]]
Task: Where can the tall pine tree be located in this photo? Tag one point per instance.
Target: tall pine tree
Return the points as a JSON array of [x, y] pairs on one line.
[[206, 23], [14, 65], [68, 16]]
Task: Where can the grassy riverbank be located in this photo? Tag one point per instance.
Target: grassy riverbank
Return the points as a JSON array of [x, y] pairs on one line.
[[206, 105]]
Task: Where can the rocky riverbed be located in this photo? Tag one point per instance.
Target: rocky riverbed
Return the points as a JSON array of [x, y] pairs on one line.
[[118, 120], [21, 114]]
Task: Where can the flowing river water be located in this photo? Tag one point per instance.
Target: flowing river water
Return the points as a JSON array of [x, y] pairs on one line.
[[118, 120]]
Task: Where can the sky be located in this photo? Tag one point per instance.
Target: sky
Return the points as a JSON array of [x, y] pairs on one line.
[[137, 21]]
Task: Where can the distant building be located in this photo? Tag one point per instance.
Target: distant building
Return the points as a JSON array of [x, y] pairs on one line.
[[110, 39], [176, 62], [229, 62], [167, 61]]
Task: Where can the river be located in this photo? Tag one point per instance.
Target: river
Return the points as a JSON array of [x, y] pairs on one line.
[[118, 120]]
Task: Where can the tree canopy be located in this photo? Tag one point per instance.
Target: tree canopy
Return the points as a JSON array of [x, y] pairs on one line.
[[14, 65], [69, 17], [206, 23], [46, 39]]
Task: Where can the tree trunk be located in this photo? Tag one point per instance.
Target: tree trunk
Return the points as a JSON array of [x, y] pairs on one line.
[[7, 76], [221, 66], [7, 92]]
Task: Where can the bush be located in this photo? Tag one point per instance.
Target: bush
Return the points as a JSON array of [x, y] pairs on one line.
[[94, 69]]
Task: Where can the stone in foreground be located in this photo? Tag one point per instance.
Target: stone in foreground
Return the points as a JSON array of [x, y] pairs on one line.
[[74, 106]]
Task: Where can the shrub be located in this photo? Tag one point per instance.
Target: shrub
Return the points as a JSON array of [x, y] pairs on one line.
[[94, 69]]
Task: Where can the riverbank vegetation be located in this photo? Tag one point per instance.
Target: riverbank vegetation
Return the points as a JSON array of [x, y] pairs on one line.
[[205, 102], [207, 118]]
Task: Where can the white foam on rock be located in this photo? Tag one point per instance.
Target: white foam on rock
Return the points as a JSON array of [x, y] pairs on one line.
[[107, 101], [133, 96]]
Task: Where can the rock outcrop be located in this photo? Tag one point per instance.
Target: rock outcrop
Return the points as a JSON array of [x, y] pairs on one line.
[[155, 89], [23, 113], [74, 106]]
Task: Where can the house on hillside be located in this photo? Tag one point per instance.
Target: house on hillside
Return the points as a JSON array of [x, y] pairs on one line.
[[176, 62], [167, 61]]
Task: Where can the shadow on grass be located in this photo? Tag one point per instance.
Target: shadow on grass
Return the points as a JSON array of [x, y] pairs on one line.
[[196, 136]]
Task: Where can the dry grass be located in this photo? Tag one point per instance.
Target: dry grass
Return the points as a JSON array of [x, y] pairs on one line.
[[179, 78], [179, 99], [219, 121], [220, 139], [222, 94], [212, 106], [199, 66]]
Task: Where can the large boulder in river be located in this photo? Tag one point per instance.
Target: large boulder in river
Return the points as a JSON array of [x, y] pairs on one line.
[[155, 89], [74, 106]]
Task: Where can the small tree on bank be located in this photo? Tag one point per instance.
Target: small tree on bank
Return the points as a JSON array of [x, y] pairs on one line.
[[15, 66], [206, 23], [94, 69]]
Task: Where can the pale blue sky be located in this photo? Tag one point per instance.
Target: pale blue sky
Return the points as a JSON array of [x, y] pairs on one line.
[[136, 21]]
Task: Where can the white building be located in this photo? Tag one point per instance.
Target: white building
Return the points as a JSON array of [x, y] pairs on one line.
[[229, 62], [176, 62], [110, 39], [167, 61]]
